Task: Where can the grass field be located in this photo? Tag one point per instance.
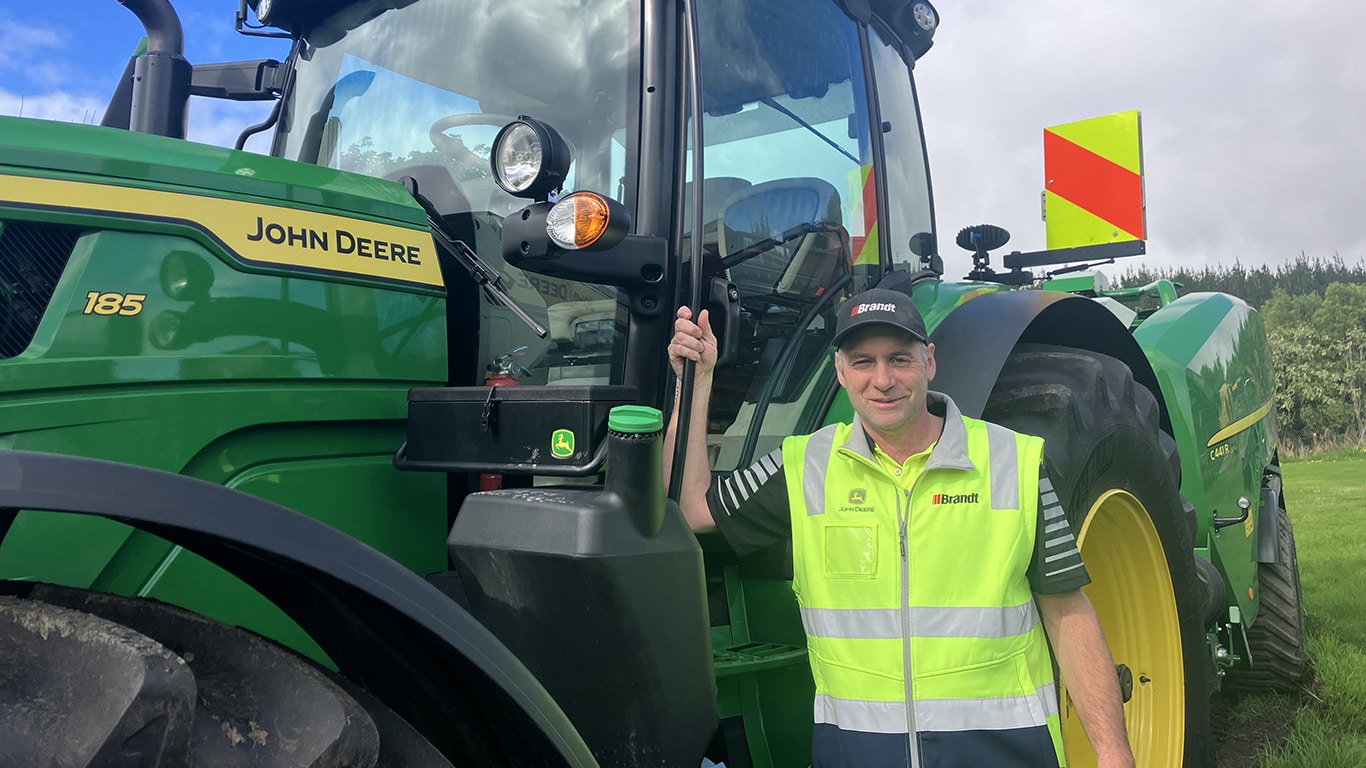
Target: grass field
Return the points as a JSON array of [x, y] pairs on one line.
[[1325, 727]]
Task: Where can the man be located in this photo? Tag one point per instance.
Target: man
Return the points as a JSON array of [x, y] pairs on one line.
[[926, 548]]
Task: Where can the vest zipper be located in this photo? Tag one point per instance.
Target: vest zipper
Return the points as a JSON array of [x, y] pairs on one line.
[[902, 518]]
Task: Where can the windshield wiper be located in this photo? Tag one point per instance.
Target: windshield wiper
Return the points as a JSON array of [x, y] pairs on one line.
[[808, 126], [479, 270]]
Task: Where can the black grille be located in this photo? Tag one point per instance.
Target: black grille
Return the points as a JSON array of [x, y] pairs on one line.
[[32, 257]]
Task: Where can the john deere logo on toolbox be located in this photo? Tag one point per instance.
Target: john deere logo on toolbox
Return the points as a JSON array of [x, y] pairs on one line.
[[858, 496], [562, 443]]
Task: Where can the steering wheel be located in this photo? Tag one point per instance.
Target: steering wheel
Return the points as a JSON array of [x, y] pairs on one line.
[[456, 149]]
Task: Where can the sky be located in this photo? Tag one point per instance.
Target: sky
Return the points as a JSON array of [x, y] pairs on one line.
[[60, 60], [1252, 110]]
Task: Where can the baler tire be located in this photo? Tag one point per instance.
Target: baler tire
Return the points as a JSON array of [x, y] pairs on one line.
[[179, 689], [1117, 476], [1276, 638]]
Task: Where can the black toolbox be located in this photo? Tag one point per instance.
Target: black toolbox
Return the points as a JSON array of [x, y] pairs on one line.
[[533, 430]]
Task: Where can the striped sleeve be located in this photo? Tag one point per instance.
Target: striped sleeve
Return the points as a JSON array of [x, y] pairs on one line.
[[750, 505], [1056, 565]]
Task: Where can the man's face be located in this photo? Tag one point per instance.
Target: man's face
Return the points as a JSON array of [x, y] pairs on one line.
[[886, 374]]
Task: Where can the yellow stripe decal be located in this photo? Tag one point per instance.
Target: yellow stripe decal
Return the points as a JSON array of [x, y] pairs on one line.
[[259, 234], [1240, 425]]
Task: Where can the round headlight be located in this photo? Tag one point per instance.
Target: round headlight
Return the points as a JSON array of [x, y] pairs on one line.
[[586, 221], [529, 159], [519, 157]]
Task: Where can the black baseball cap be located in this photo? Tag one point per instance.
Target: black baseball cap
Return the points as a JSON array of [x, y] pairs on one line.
[[879, 306]]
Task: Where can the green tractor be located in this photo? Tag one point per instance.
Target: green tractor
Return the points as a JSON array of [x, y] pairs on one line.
[[343, 455]]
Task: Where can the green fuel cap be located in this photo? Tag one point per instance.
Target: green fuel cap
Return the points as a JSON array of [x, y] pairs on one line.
[[635, 419]]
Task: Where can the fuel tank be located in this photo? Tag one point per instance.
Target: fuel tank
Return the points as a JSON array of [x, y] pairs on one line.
[[601, 594]]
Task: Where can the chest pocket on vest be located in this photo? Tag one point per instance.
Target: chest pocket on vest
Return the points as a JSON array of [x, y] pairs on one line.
[[850, 550]]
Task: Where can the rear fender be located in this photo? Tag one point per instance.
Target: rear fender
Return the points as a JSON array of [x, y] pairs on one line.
[[973, 341], [382, 625]]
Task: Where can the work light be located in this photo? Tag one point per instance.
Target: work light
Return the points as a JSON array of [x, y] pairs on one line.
[[529, 158]]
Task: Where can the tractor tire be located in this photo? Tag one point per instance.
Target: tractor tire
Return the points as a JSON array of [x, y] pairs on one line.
[[1276, 639], [89, 679], [1118, 477]]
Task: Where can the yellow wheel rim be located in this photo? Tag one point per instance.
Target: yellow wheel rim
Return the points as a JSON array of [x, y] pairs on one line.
[[1131, 590]]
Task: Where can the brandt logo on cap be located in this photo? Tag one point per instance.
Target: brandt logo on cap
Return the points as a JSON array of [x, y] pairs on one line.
[[873, 307]]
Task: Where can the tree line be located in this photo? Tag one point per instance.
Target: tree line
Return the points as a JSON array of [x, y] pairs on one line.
[[1314, 311]]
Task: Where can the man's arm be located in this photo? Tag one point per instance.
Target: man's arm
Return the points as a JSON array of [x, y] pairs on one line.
[[1087, 668], [696, 342]]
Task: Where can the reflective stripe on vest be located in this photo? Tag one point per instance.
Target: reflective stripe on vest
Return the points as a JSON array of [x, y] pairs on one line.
[[885, 623], [978, 658], [1025, 711]]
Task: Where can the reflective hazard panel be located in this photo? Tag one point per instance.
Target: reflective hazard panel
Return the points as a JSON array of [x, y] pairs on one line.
[[1093, 181], [862, 216]]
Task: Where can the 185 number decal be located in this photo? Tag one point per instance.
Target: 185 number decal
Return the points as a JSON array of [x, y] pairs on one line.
[[126, 304]]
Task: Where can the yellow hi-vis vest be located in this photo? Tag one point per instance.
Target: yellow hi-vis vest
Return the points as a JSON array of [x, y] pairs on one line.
[[926, 585]]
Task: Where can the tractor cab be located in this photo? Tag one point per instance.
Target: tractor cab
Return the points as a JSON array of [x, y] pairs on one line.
[[812, 182]]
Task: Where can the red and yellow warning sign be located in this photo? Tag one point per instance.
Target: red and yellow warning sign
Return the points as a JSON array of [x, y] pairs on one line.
[[862, 217], [1093, 181]]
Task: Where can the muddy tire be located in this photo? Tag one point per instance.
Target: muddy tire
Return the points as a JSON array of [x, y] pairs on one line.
[[1276, 639], [1117, 475], [89, 679]]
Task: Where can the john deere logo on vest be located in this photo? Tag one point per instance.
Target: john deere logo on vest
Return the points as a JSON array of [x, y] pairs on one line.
[[858, 501], [562, 443], [954, 498]]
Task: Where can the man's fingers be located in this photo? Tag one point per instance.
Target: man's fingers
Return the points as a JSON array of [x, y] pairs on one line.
[[685, 350], [686, 328], [704, 322]]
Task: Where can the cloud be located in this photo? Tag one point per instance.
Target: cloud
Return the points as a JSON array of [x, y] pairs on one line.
[[218, 122], [1250, 112], [211, 121], [53, 105], [18, 42], [25, 55]]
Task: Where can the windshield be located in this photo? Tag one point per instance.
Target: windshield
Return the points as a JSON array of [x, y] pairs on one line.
[[789, 210], [422, 89]]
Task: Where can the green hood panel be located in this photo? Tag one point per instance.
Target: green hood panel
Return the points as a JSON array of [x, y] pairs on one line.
[[42, 147]]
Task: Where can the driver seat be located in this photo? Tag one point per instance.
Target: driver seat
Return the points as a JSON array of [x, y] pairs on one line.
[[801, 268]]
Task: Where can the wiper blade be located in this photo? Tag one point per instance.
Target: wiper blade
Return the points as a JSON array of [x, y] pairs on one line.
[[479, 270], [771, 104], [769, 243]]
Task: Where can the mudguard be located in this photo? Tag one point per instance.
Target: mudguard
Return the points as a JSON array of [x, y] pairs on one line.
[[382, 625], [974, 338], [1211, 355]]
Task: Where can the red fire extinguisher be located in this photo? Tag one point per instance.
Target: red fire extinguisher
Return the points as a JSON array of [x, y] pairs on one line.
[[505, 375]]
